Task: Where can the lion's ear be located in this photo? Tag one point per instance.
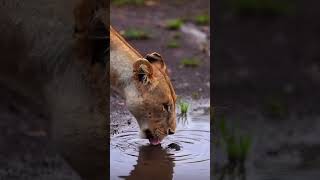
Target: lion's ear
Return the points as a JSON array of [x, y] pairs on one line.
[[143, 71], [157, 60]]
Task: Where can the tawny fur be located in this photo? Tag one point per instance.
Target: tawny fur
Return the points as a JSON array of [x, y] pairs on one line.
[[145, 102]]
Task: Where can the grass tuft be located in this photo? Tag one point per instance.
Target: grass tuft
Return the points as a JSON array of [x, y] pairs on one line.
[[190, 62], [174, 24], [184, 107], [135, 34], [237, 145], [202, 20]]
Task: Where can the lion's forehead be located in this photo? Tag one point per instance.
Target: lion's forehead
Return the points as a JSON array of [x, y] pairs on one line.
[[163, 90]]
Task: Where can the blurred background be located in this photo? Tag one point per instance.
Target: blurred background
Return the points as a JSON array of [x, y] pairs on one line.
[[265, 89], [37, 48], [178, 30]]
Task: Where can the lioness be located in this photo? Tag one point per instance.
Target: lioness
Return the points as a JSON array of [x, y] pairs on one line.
[[142, 82], [146, 87]]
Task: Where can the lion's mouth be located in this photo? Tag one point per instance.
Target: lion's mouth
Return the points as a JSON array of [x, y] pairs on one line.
[[152, 139]]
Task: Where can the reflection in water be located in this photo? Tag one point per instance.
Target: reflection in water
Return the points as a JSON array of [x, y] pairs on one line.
[[186, 155], [153, 163], [182, 119], [182, 156], [233, 171]]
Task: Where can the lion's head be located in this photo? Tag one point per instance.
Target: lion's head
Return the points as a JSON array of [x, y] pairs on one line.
[[155, 107]]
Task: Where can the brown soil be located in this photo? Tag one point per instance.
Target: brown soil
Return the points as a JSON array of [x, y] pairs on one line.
[[152, 18]]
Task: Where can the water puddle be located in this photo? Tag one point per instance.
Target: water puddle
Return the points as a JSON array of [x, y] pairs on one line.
[[184, 155]]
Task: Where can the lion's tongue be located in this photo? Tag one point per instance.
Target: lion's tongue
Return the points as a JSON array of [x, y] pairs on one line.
[[154, 141]]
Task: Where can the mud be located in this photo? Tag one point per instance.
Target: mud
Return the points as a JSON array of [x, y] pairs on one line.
[[187, 81]]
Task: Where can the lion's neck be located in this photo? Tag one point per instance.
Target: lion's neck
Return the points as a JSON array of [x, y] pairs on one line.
[[122, 57]]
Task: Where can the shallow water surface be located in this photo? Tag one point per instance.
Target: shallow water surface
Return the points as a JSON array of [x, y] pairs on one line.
[[133, 158]]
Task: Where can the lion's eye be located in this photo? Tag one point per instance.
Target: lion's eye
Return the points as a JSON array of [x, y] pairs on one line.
[[166, 107]]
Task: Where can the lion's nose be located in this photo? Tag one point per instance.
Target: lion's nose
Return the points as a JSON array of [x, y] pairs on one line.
[[170, 132]]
